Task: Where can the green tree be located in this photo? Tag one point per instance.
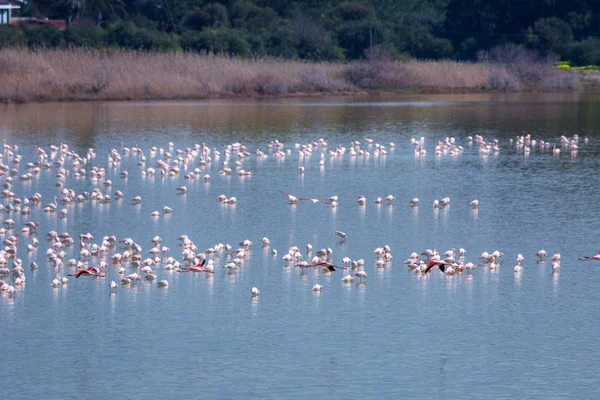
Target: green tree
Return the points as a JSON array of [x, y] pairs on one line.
[[586, 52], [212, 15], [550, 36], [98, 9]]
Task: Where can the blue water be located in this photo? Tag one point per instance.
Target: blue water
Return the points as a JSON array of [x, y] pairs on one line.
[[489, 334]]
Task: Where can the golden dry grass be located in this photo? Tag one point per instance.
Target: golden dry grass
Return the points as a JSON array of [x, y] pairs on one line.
[[78, 74], [122, 75]]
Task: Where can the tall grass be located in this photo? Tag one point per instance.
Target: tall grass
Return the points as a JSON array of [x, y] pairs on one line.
[[125, 75], [46, 75], [450, 75]]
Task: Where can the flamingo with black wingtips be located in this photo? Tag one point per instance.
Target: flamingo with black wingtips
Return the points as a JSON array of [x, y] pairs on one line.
[[197, 268], [328, 266], [440, 264], [595, 257], [90, 271]]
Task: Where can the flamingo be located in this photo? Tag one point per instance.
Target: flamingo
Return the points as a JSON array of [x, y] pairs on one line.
[[133, 277], [255, 292], [470, 266], [315, 201], [317, 288], [162, 283], [291, 198], [361, 275], [91, 271], [327, 266], [442, 265], [341, 234], [518, 268], [595, 257], [541, 254], [362, 200]]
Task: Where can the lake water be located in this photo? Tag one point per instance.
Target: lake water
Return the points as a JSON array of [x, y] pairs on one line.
[[488, 334]]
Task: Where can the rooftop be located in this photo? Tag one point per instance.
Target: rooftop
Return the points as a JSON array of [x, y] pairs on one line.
[[8, 3]]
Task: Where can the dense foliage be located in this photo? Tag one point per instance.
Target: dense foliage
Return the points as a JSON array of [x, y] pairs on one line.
[[321, 29]]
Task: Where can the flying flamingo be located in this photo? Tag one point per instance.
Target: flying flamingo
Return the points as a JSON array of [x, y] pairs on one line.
[[315, 201], [442, 265], [327, 266], [91, 271], [590, 258], [291, 198], [197, 268]]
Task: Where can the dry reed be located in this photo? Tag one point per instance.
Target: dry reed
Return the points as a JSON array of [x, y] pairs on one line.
[[78, 74]]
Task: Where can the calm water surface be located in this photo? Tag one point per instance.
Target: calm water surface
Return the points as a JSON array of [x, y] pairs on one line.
[[492, 334]]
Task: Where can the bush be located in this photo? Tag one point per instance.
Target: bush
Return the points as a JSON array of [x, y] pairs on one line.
[[11, 36], [127, 36], [220, 41], [422, 44], [122, 34], [364, 74], [509, 54], [42, 36], [500, 79], [84, 36], [586, 52]]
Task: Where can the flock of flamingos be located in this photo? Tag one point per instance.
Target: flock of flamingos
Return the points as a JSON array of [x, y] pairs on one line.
[[97, 256]]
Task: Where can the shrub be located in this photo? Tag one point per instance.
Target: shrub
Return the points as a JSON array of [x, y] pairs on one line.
[[42, 36], [11, 36], [509, 53], [586, 52], [84, 36], [220, 41], [127, 36], [364, 74], [122, 34], [500, 79]]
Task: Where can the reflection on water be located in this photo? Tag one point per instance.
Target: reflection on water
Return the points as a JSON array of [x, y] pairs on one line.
[[396, 325]]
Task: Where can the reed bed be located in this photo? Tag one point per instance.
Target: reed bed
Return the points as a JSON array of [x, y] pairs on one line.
[[79, 74]]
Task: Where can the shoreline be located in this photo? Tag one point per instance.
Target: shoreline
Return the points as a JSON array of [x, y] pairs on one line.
[[359, 93], [89, 75]]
